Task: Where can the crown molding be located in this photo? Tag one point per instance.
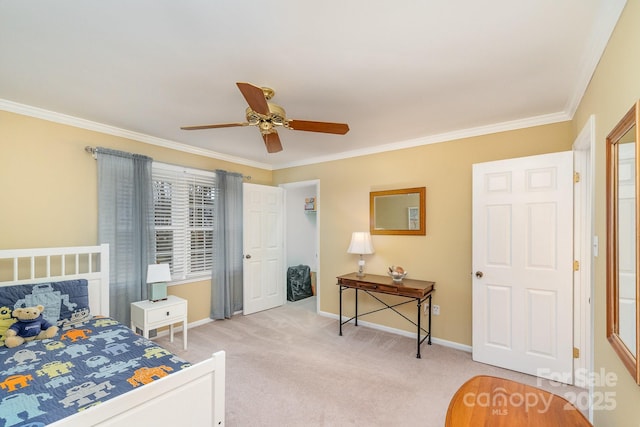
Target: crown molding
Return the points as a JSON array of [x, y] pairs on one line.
[[52, 116], [434, 139], [64, 119]]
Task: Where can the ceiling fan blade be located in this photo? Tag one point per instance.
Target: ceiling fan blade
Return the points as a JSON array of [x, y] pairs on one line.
[[272, 141], [325, 127], [222, 125], [255, 98]]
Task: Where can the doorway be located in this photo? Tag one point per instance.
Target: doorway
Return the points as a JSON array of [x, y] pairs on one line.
[[585, 249], [302, 233]]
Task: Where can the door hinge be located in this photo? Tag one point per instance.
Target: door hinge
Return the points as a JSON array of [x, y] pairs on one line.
[[576, 177], [576, 265], [576, 353]]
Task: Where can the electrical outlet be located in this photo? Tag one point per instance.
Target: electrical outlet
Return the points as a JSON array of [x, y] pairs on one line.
[[426, 308], [436, 310]]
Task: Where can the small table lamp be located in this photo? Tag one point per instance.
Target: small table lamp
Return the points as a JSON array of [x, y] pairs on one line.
[[157, 277], [360, 244]]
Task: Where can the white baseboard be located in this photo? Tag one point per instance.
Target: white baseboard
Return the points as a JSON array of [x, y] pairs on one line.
[[199, 322], [434, 340], [404, 333]]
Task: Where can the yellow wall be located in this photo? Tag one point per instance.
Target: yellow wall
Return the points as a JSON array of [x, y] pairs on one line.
[[48, 188], [614, 88], [444, 254], [48, 197]]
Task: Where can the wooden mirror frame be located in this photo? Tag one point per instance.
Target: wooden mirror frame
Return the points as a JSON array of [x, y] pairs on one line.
[[628, 356], [420, 231]]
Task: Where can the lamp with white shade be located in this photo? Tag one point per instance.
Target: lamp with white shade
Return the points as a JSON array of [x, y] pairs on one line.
[[361, 245], [157, 277]]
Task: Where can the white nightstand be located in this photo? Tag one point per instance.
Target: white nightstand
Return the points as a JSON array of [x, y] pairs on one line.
[[148, 315]]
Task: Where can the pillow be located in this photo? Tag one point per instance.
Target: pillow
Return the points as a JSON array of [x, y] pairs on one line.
[[64, 302]]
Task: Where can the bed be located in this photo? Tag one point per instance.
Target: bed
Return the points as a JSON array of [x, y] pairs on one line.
[[95, 371]]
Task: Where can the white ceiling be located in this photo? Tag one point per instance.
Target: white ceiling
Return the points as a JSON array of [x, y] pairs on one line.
[[400, 73]]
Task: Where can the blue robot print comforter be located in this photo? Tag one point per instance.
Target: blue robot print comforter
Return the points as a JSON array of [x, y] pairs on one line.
[[86, 364]]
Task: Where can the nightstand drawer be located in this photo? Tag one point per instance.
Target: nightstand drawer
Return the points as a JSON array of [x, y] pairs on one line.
[[162, 314]]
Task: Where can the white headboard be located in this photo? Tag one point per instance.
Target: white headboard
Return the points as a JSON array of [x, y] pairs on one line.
[[24, 266]]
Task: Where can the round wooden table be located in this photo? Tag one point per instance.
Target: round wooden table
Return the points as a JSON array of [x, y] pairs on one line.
[[496, 402]]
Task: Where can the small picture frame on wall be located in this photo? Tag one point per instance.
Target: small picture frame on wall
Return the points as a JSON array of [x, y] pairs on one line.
[[414, 218], [310, 204]]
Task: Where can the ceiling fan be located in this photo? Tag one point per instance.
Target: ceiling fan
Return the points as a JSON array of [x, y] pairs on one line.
[[267, 116]]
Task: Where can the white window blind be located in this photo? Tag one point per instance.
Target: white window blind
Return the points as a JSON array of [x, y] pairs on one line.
[[184, 219]]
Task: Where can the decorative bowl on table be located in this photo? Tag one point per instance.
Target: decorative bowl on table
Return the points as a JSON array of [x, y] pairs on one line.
[[397, 273]]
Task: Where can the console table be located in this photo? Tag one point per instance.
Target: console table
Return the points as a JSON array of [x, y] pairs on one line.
[[417, 291]]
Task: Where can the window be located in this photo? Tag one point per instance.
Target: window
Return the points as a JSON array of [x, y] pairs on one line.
[[184, 219]]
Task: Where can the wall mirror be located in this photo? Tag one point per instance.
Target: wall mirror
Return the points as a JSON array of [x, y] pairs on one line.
[[623, 315], [399, 212]]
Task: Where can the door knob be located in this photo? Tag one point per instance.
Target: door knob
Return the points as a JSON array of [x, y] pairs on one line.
[[479, 274], [247, 256]]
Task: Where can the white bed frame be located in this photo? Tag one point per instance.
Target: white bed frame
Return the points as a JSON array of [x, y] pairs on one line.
[[193, 396]]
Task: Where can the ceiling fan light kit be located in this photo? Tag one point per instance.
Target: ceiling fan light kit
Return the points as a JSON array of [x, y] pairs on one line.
[[267, 116]]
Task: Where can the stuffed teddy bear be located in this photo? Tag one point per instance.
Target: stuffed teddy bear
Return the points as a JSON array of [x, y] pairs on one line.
[[30, 325]]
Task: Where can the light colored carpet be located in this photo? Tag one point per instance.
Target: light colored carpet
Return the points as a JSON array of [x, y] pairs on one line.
[[288, 367]]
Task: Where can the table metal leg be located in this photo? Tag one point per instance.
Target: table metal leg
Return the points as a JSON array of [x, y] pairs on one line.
[[418, 332], [356, 307], [429, 340], [340, 318]]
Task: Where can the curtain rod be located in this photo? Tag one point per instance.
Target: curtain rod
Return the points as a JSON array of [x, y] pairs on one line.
[[93, 151]]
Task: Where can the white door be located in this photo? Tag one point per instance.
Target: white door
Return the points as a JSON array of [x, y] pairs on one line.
[[523, 264], [263, 247]]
